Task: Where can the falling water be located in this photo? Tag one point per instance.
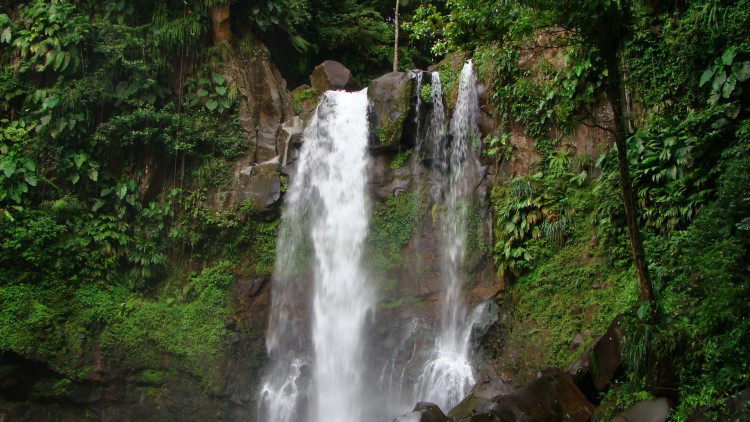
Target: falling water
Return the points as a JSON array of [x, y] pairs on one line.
[[326, 207], [448, 375]]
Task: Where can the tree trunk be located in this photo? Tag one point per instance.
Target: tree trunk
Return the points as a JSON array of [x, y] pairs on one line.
[[395, 42], [614, 92]]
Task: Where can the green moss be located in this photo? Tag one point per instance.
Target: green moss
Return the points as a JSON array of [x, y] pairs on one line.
[[425, 93], [151, 376], [390, 130], [449, 78], [306, 94], [391, 229], [185, 321], [572, 292], [399, 302], [400, 159]]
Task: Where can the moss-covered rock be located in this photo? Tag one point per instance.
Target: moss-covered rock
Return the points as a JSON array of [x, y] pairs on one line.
[[390, 100]]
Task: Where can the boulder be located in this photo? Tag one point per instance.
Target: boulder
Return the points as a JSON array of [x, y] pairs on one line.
[[260, 184], [580, 370], [645, 411], [332, 75], [390, 100], [479, 397], [552, 397], [600, 363], [606, 356], [423, 412]]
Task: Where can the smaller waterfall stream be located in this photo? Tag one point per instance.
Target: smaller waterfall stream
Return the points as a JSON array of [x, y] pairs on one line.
[[448, 376]]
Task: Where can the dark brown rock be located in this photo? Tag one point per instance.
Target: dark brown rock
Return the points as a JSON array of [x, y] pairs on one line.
[[479, 396], [260, 184], [264, 100], [552, 397], [423, 412], [332, 75], [390, 99], [606, 356], [430, 412]]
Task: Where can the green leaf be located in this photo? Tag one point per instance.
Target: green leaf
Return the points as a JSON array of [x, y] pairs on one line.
[[97, 205], [741, 71], [643, 310], [8, 167], [218, 78], [202, 92], [221, 90], [94, 174], [728, 87], [8, 216], [5, 36], [30, 179], [74, 178], [59, 61], [50, 102], [728, 57], [121, 191], [212, 104], [706, 76], [79, 160], [718, 82]]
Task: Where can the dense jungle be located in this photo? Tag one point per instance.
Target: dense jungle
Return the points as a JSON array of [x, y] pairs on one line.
[[148, 151]]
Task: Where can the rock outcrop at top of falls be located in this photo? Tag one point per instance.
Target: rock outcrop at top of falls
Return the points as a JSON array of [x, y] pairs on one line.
[[390, 100], [332, 76]]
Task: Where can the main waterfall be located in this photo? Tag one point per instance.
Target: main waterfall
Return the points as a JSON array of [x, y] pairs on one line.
[[324, 226]]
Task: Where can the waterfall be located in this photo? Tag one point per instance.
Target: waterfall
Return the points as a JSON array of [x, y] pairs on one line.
[[448, 375], [324, 225]]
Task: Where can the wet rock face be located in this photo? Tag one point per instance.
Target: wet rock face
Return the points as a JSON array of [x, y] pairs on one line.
[[265, 102], [290, 136], [260, 184], [552, 397], [332, 75], [390, 100]]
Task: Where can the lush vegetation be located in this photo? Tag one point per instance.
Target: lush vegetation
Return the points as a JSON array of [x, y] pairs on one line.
[[685, 69], [119, 127]]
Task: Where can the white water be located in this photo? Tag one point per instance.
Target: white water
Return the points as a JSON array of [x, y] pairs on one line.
[[448, 375], [327, 207]]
